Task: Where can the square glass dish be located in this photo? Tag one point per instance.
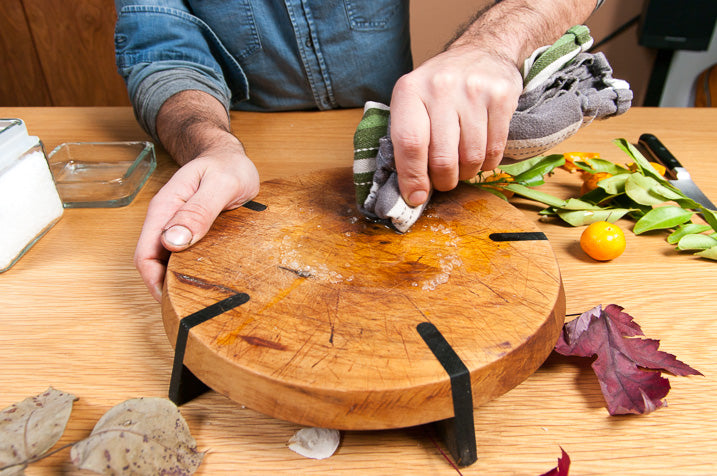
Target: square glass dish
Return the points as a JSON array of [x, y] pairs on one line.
[[101, 174]]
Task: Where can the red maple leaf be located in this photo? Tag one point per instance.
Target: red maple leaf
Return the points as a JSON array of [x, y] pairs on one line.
[[563, 467], [628, 368]]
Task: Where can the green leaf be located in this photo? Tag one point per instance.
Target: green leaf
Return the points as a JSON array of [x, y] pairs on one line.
[[662, 217], [642, 163], [597, 196], [494, 192], [637, 187], [637, 214], [601, 165], [623, 201], [710, 217], [614, 185], [547, 212], [688, 203], [577, 204], [534, 175], [536, 195], [585, 217], [710, 253], [669, 192], [686, 229], [521, 166], [648, 191], [696, 242], [528, 164]]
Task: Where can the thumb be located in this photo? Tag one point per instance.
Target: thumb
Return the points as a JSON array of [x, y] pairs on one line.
[[177, 238], [192, 221]]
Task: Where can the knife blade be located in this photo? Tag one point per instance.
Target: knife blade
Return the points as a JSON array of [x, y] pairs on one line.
[[677, 174]]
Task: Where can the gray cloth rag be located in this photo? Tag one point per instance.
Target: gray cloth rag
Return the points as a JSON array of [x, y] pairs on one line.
[[384, 200], [561, 95], [574, 96]]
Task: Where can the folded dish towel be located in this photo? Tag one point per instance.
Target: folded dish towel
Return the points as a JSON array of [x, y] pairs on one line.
[[565, 88]]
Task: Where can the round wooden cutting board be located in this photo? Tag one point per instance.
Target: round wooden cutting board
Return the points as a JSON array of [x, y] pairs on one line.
[[329, 334]]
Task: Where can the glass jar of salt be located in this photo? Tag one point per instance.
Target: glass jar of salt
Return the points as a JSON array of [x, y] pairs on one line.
[[29, 202]]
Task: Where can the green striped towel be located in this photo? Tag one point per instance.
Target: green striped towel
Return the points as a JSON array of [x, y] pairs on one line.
[[564, 88], [371, 129], [545, 61]]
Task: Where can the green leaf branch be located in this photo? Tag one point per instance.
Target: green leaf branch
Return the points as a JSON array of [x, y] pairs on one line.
[[639, 192]]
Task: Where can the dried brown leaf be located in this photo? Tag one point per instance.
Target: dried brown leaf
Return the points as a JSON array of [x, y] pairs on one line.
[[139, 436], [31, 427]]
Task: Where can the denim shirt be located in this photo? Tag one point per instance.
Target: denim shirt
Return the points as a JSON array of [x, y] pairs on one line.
[[261, 55]]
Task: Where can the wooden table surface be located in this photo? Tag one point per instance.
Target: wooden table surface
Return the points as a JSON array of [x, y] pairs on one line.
[[75, 315]]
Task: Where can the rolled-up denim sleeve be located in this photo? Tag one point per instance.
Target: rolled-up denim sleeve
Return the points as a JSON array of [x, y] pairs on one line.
[[162, 49]]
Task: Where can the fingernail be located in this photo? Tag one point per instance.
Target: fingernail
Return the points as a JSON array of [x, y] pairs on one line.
[[157, 292], [416, 198], [178, 235]]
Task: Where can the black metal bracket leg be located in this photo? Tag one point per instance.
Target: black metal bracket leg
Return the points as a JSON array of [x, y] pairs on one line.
[[458, 433], [184, 385]]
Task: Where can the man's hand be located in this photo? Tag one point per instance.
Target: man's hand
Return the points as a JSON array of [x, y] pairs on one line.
[[450, 118], [216, 175], [181, 213]]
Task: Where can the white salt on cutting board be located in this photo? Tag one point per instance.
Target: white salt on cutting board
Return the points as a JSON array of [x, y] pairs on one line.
[[29, 202]]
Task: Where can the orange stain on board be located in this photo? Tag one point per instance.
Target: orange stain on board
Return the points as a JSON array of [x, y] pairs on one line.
[[230, 337]]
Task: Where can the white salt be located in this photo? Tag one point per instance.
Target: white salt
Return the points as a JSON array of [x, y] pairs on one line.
[[29, 204]]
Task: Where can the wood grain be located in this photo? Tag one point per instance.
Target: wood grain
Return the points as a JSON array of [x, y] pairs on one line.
[[74, 314], [75, 47], [23, 82], [328, 337]]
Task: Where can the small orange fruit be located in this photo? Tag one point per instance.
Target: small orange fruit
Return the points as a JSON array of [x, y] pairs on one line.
[[603, 241]]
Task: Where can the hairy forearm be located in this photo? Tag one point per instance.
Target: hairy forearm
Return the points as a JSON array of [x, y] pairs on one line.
[[513, 29], [191, 122]]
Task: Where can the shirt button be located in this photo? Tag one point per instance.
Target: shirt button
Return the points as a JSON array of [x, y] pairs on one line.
[[309, 43]]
